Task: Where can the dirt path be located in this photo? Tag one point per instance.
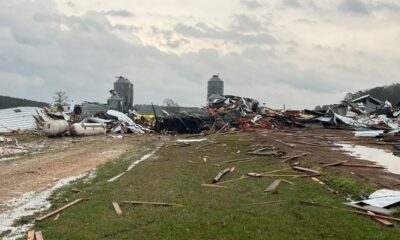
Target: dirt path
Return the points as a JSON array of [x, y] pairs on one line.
[[65, 157]]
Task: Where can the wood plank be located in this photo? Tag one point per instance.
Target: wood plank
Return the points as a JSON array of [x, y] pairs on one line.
[[289, 158], [270, 202], [31, 235], [213, 185], [240, 160], [306, 170], [150, 203], [221, 174], [273, 186], [117, 208], [286, 144], [61, 209], [233, 180], [380, 220], [270, 153], [333, 164], [39, 235]]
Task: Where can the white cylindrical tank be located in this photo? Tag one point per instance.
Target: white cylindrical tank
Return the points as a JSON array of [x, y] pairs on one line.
[[87, 129], [55, 127]]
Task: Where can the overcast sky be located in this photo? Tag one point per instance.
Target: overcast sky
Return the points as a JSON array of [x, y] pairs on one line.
[[300, 53]]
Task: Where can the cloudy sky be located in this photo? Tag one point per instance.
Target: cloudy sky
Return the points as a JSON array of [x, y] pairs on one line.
[[300, 53]]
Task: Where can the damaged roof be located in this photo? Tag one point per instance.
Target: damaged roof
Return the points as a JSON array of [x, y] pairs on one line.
[[369, 97], [22, 118]]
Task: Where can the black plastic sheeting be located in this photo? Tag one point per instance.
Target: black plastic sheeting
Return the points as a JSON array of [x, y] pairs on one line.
[[184, 124]]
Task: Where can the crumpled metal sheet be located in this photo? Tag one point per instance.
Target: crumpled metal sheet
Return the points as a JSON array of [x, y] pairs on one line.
[[382, 198], [21, 118]]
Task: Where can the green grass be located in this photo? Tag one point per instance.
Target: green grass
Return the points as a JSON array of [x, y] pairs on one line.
[[206, 213]]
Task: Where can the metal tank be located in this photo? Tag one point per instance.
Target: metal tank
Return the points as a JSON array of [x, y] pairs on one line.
[[115, 102], [124, 88], [215, 87], [54, 128]]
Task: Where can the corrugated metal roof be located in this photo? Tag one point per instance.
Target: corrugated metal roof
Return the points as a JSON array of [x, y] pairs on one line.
[[21, 118]]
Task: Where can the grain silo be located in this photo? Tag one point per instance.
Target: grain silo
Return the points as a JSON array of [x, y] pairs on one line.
[[124, 88], [215, 87], [115, 102]]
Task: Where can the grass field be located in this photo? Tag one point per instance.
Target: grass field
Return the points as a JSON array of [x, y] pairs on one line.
[[175, 175]]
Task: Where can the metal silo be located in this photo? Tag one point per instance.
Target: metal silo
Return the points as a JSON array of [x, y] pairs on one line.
[[215, 87], [115, 102], [124, 88]]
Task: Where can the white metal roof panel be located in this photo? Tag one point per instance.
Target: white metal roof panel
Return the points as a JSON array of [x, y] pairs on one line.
[[22, 118]]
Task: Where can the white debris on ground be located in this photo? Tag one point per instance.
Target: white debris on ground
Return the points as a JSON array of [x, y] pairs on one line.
[[8, 152], [147, 156], [28, 204], [382, 198], [191, 140]]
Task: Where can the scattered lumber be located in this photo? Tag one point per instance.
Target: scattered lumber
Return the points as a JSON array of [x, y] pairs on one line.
[[264, 149], [306, 170], [310, 203], [334, 164], [221, 174], [286, 144], [240, 160], [270, 153], [213, 185], [39, 235], [290, 158], [31, 235], [117, 208], [61, 209], [150, 203], [380, 220], [318, 181], [276, 175], [233, 180], [274, 185]]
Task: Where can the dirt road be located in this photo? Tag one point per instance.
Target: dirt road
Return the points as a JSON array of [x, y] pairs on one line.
[[63, 157]]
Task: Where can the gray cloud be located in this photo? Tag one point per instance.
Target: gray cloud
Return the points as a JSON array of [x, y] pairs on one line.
[[244, 23], [292, 3], [243, 30], [119, 13], [354, 6], [251, 4], [44, 51]]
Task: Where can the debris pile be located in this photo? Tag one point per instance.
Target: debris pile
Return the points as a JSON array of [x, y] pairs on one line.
[[42, 120]]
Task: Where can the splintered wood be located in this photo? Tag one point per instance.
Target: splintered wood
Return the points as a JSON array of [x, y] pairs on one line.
[[380, 220], [117, 208], [31, 235], [274, 185], [39, 235], [306, 170], [221, 174], [290, 158]]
